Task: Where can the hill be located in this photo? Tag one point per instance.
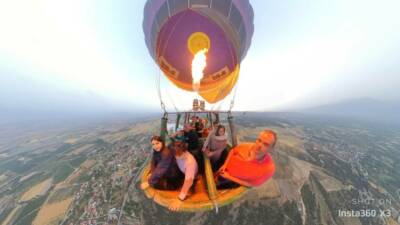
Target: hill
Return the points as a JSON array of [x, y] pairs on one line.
[[362, 109]]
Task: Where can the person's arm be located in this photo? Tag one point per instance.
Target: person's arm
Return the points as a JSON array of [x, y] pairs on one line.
[[245, 154], [207, 142], [173, 135], [190, 174], [160, 169], [216, 152], [185, 189], [230, 155]]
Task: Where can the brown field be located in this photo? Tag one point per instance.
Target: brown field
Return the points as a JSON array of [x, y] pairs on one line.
[[52, 213], [36, 190], [301, 170], [268, 190], [71, 140], [88, 163], [391, 221], [329, 183]]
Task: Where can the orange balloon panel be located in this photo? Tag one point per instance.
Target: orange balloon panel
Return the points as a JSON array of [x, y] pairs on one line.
[[213, 88]]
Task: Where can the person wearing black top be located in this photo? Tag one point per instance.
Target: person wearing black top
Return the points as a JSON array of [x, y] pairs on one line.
[[193, 142], [164, 172], [191, 138]]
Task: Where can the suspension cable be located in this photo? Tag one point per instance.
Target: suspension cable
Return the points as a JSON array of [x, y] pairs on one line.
[[158, 83], [172, 101], [232, 104]]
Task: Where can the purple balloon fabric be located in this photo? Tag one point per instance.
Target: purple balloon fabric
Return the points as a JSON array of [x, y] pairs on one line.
[[172, 44], [152, 8]]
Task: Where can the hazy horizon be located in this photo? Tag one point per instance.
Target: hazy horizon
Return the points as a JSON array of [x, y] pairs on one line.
[[77, 58]]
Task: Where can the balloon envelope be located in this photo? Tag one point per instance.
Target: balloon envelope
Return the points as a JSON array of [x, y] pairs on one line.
[[176, 29]]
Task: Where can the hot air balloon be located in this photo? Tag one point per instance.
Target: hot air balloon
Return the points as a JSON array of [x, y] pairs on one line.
[[198, 45], [176, 31]]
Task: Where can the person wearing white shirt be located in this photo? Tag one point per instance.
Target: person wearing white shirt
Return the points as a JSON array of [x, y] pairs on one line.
[[188, 165]]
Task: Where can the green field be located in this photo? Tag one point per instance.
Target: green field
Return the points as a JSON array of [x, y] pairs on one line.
[[62, 172]]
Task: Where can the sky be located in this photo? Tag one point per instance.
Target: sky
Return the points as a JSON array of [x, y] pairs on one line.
[[91, 56]]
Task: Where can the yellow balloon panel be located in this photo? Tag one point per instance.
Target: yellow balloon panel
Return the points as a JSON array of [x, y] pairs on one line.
[[219, 91], [214, 91]]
